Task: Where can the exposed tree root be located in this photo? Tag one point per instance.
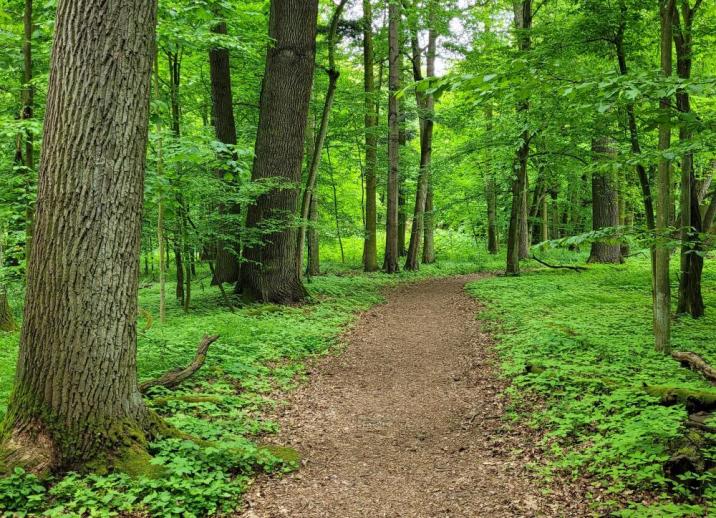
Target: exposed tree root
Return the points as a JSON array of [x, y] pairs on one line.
[[175, 377]]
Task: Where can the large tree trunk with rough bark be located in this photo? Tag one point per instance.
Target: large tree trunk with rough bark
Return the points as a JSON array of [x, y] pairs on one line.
[[227, 267], [270, 273], [392, 227], [75, 397], [370, 245], [662, 281], [516, 238], [690, 300], [605, 204], [426, 106]]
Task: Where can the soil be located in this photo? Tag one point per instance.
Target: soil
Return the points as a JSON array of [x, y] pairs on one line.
[[409, 421]]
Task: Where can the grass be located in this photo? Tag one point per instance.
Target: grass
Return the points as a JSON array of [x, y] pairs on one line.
[[263, 348], [592, 331]]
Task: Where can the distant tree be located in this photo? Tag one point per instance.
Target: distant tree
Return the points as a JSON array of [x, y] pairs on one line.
[[605, 203], [270, 272], [392, 251], [227, 260], [370, 254]]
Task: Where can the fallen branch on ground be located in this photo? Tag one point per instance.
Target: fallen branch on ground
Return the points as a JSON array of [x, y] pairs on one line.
[[559, 266], [175, 377], [696, 363]]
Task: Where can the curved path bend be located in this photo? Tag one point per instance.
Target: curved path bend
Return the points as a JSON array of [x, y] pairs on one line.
[[406, 422]]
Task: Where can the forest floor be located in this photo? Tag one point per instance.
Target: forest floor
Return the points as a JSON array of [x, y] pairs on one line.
[[408, 421]]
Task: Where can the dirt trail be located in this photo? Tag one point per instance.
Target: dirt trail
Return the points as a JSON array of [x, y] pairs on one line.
[[407, 423]]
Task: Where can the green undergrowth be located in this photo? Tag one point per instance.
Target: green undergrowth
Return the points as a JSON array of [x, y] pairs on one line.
[[262, 351], [592, 333]]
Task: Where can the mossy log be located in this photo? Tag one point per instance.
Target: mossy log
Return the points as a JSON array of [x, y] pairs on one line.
[[695, 362], [175, 377], [695, 400]]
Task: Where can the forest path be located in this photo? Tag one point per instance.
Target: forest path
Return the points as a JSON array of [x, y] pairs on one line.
[[406, 422]]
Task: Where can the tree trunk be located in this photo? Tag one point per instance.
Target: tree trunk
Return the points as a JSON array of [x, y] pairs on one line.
[[336, 213], [426, 106], [7, 321], [692, 262], [227, 266], [524, 222], [429, 233], [333, 75], [391, 241], [491, 195], [161, 240], [662, 285], [633, 128], [314, 262], [370, 245], [179, 265], [28, 107], [605, 205], [75, 396], [270, 273], [518, 223]]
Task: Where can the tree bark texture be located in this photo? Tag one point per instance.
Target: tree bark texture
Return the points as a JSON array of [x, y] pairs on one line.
[[662, 285], [518, 223], [313, 267], [227, 262], [605, 204], [75, 396], [690, 299], [270, 273], [426, 106], [391, 241], [429, 232], [370, 245]]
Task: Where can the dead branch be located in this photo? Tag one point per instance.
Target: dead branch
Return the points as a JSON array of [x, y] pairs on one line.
[[696, 363], [175, 377], [559, 266]]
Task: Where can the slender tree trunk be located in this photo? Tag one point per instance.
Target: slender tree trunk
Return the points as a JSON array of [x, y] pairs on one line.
[[75, 396], [524, 222], [28, 107], [605, 204], [391, 243], [227, 265], [333, 75], [179, 265], [426, 106], [314, 261], [692, 262], [633, 128], [515, 236], [662, 285], [429, 232], [160, 207], [493, 245], [270, 273], [174, 61], [336, 213], [7, 321], [544, 217], [370, 245]]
